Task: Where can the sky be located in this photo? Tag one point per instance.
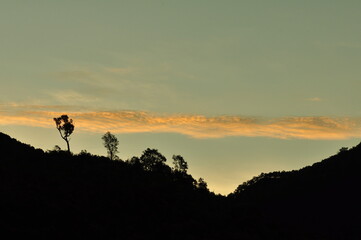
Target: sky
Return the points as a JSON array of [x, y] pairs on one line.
[[236, 87]]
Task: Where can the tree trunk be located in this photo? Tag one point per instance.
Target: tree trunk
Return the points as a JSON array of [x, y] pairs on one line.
[[67, 143]]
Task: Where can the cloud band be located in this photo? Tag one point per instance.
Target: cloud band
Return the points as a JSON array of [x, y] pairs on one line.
[[195, 126]]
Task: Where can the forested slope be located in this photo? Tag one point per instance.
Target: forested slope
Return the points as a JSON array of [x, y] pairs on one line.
[[57, 195]]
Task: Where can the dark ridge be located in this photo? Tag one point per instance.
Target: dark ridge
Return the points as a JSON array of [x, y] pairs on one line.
[[58, 195], [322, 200], [55, 194]]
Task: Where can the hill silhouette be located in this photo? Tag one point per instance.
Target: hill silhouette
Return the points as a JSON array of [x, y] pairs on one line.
[[322, 200], [57, 195]]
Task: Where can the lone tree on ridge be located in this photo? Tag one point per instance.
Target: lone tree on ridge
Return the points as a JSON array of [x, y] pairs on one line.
[[111, 144], [65, 127]]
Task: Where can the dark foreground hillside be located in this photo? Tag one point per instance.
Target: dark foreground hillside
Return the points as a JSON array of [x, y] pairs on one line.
[[322, 200], [55, 195]]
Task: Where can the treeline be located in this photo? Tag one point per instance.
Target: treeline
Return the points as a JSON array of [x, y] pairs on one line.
[[60, 195], [151, 159], [56, 195]]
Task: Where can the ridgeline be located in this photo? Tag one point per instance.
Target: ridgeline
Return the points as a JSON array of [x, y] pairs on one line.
[[59, 195]]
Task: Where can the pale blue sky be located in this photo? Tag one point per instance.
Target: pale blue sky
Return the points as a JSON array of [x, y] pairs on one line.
[[253, 59]]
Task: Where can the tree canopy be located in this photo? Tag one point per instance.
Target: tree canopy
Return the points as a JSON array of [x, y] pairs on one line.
[[151, 159], [180, 164]]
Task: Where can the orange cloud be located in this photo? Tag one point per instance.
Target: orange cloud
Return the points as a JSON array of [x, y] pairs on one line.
[[196, 126]]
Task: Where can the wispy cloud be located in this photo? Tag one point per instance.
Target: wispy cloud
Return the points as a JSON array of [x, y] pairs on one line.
[[195, 126], [314, 99], [119, 70], [71, 96], [109, 81], [94, 81]]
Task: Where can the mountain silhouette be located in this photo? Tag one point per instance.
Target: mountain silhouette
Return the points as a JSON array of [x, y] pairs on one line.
[[57, 195]]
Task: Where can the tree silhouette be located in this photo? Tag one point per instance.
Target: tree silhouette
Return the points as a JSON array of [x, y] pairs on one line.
[[151, 159], [65, 127], [111, 144], [180, 164], [343, 149], [201, 184]]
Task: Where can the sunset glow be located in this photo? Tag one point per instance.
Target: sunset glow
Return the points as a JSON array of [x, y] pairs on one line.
[[195, 126], [237, 87]]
